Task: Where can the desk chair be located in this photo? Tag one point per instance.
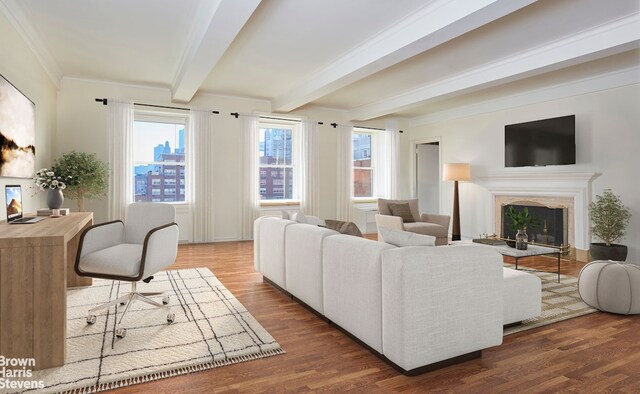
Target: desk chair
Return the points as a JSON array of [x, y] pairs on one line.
[[132, 251]]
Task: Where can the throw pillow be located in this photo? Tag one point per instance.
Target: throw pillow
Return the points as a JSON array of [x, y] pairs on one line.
[[406, 238], [348, 228], [285, 214], [299, 217], [403, 211]]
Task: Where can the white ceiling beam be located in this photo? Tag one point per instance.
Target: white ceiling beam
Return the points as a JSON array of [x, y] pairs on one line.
[[434, 24], [217, 25], [601, 41], [12, 10]]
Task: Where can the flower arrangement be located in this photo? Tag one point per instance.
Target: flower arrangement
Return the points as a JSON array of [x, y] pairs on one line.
[[47, 180]]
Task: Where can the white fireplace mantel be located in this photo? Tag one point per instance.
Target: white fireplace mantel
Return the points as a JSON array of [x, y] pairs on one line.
[[543, 182]]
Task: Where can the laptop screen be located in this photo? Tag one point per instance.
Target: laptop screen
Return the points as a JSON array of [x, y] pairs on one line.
[[13, 200]]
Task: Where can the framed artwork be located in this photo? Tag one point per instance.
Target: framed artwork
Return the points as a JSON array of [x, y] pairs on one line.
[[17, 132]]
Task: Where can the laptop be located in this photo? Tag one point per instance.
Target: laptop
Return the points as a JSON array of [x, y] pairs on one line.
[[13, 198]]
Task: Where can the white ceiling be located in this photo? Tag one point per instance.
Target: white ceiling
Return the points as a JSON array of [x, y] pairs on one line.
[[373, 58]]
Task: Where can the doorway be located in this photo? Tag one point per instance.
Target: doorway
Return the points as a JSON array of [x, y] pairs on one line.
[[428, 176]]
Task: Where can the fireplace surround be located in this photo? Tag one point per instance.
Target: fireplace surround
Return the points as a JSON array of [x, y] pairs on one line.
[[570, 190]]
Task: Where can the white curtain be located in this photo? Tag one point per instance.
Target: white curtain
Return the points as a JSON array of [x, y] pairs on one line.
[[345, 174], [309, 168], [385, 164], [251, 177], [200, 167], [120, 134]]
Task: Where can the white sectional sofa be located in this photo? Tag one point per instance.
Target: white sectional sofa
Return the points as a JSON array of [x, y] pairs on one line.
[[418, 308]]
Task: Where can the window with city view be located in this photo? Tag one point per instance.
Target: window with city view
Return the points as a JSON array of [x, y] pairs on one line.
[[362, 169], [276, 152], [159, 158]]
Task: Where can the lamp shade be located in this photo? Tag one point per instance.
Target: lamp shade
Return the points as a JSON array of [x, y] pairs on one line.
[[456, 172]]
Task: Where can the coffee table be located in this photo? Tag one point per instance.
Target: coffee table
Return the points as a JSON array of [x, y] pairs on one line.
[[532, 250]]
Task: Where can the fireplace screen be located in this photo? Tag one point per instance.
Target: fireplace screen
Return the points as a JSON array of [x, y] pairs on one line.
[[551, 224]]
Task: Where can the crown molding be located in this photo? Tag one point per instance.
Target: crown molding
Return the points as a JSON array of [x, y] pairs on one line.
[[601, 41], [610, 80], [435, 23], [14, 14], [163, 89]]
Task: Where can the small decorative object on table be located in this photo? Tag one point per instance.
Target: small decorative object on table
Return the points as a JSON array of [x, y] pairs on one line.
[[46, 179], [520, 220]]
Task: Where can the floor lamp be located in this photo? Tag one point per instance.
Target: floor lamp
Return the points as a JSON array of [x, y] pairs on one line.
[[456, 172]]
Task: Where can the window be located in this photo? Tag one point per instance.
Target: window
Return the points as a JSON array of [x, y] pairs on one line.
[[362, 168], [159, 156], [277, 156]]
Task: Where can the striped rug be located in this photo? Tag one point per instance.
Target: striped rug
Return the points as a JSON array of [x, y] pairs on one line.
[[211, 329], [560, 301]]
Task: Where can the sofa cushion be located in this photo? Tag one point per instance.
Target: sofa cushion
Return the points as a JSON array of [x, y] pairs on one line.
[[299, 217], [403, 211], [383, 207], [522, 294], [426, 228], [405, 238]]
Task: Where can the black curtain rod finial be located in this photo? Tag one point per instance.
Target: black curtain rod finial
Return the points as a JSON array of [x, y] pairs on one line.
[[235, 114]]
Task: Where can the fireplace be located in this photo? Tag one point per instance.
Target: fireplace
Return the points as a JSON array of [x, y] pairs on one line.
[[552, 227], [549, 187]]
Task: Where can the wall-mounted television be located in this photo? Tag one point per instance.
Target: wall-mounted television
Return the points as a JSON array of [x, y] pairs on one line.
[[17, 132], [543, 142]]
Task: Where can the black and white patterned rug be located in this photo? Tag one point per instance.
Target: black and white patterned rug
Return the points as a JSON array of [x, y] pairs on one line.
[[211, 329]]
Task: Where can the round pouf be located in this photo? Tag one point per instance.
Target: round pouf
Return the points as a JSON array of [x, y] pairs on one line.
[[611, 286]]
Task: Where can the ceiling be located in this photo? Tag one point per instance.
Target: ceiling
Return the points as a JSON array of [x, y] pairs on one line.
[[372, 58]]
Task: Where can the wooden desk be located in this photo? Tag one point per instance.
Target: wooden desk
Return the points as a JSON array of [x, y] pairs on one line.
[[36, 267]]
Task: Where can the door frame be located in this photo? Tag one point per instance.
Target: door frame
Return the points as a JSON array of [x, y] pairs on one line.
[[414, 166]]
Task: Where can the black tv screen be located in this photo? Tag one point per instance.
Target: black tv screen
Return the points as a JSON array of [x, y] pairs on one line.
[[541, 143]]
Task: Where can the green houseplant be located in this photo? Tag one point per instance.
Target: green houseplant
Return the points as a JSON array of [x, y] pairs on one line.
[[87, 176], [609, 221], [520, 221]]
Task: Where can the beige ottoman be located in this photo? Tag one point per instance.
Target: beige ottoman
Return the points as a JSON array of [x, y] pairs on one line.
[[611, 286]]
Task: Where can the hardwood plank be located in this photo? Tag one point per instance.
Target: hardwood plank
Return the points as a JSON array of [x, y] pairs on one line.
[[50, 322], [594, 351], [16, 298]]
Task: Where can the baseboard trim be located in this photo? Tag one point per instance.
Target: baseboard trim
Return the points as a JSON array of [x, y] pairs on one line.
[[412, 372]]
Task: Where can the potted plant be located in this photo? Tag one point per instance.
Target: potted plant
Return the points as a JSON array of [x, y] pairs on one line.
[[609, 220], [88, 176], [520, 221]]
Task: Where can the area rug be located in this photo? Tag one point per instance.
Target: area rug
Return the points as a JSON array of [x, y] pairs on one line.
[[560, 301], [211, 329]]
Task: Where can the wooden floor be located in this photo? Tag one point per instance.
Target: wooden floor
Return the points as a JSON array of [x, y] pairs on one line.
[[589, 354]]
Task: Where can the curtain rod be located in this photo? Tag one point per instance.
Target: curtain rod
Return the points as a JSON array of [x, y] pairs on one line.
[[236, 114], [363, 127], [104, 101]]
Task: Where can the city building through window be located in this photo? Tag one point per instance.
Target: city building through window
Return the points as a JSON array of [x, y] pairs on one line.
[[159, 158], [277, 157], [362, 168]]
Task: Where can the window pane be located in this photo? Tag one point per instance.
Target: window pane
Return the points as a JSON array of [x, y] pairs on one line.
[[276, 184], [163, 143], [361, 150], [362, 182], [275, 146]]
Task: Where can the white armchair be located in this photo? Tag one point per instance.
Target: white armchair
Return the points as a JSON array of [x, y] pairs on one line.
[[427, 224], [131, 251]]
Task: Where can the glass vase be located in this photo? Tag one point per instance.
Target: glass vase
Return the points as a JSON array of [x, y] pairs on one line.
[[522, 240]]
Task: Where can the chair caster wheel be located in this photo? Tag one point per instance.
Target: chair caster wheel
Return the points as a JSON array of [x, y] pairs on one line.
[[91, 319], [121, 333], [171, 317], [165, 300], [123, 303]]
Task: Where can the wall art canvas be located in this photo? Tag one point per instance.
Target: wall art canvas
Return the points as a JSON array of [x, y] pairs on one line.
[[17, 132]]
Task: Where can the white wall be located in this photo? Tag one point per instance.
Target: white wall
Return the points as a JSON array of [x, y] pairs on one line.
[[20, 67], [82, 127], [607, 142]]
